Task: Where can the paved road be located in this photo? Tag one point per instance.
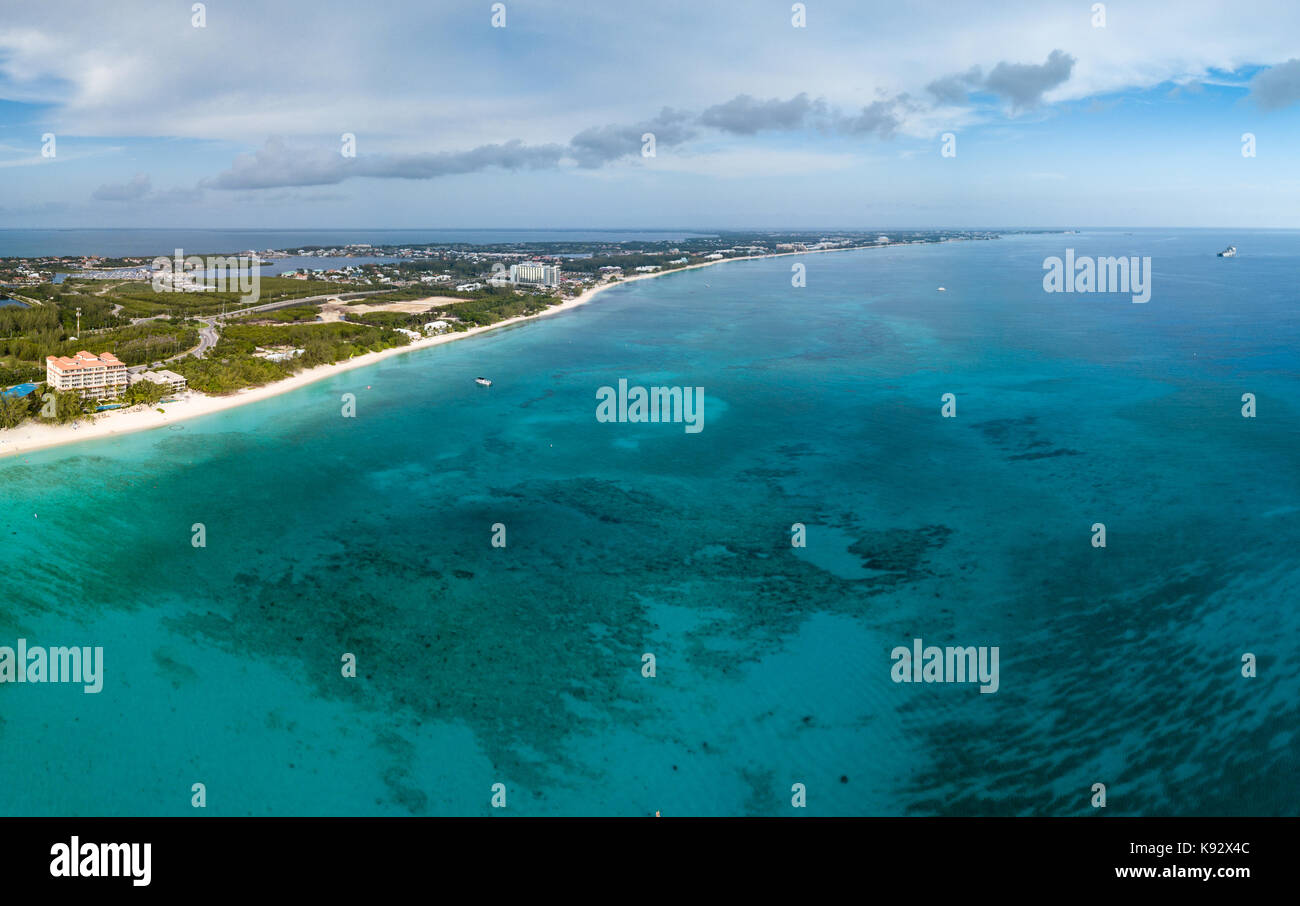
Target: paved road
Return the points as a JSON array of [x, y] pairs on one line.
[[209, 332], [309, 300], [269, 306], [207, 337]]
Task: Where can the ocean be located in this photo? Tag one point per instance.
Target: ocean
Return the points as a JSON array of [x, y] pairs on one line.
[[522, 665], [26, 243]]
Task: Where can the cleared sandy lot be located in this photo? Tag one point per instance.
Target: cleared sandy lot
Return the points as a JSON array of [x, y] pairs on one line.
[[334, 310]]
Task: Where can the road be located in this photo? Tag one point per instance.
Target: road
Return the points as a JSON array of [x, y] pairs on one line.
[[209, 333], [309, 300], [207, 338]]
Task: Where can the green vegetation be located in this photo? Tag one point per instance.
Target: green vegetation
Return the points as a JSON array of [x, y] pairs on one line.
[[442, 291], [20, 373], [481, 312], [28, 335], [167, 325], [60, 303], [475, 310], [289, 315], [629, 263], [406, 294], [460, 269], [230, 373], [138, 300], [68, 406], [137, 345], [393, 319], [144, 392], [14, 410], [231, 365], [357, 338]]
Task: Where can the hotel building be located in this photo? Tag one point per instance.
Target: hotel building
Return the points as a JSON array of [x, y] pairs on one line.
[[536, 273], [93, 376]]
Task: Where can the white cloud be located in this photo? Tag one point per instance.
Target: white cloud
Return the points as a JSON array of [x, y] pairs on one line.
[[438, 78], [744, 163]]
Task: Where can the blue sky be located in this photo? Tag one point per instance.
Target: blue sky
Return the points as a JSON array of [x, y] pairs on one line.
[[1058, 122]]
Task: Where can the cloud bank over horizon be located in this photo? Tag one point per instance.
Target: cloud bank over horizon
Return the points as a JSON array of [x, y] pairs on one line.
[[154, 115]]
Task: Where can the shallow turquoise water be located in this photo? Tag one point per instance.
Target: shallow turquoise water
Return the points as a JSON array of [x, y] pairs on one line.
[[522, 665]]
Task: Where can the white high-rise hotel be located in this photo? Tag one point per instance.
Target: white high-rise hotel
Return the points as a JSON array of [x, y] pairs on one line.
[[536, 273]]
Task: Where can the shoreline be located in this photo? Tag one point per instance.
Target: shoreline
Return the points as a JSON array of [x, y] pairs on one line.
[[32, 435]]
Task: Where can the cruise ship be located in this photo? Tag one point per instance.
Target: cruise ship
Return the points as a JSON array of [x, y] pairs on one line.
[[1229, 252]]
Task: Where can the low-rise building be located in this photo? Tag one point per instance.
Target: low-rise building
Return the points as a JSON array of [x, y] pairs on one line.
[[280, 354], [169, 379], [100, 376]]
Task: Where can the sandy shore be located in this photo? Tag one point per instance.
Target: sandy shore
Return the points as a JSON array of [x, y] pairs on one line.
[[33, 435]]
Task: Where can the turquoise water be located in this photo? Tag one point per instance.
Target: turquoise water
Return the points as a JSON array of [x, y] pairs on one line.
[[522, 665]]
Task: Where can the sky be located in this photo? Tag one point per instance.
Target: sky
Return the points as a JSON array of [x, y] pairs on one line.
[[533, 114]]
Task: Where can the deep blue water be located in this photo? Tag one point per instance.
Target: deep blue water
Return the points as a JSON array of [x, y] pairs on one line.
[[134, 242], [522, 665]]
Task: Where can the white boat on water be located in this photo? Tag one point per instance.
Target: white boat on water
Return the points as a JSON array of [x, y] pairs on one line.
[[482, 381], [1229, 252]]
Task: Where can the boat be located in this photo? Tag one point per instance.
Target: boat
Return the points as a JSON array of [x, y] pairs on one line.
[[482, 381], [1229, 252]]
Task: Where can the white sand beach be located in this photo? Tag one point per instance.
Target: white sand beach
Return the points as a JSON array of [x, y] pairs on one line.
[[33, 435]]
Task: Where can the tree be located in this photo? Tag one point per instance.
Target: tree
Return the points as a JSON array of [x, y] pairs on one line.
[[14, 410], [144, 392], [68, 407]]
